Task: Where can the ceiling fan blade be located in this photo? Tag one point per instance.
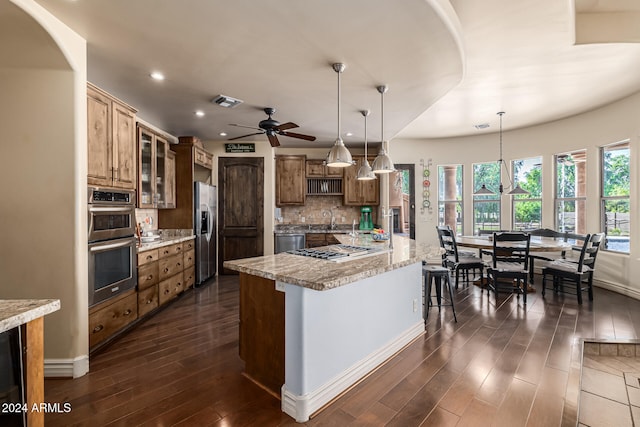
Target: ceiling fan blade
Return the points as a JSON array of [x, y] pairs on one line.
[[273, 139], [285, 126], [243, 126], [244, 136], [298, 135]]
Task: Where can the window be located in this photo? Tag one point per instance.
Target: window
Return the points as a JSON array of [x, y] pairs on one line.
[[615, 196], [527, 208], [450, 201], [571, 192], [486, 208]]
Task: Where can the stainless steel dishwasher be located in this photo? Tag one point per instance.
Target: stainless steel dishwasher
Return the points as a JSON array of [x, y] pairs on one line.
[[288, 242]]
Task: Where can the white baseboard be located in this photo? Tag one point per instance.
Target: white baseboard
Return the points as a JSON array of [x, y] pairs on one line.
[[301, 407], [616, 287], [66, 368]]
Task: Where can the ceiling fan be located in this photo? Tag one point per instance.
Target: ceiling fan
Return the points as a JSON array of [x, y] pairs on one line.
[[272, 128]]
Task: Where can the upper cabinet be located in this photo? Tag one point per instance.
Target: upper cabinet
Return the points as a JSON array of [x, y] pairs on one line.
[[111, 141], [191, 163], [318, 169], [290, 180], [156, 186], [360, 193]]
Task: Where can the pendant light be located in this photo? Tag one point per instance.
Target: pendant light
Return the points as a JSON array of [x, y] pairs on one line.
[[382, 163], [339, 156], [365, 173], [517, 189]]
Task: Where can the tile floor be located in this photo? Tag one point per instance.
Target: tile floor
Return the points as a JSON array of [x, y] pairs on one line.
[[610, 384]]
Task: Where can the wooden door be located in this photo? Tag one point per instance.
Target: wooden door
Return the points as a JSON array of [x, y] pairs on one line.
[[240, 208]]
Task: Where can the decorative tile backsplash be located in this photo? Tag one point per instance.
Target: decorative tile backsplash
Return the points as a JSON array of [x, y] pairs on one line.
[[148, 218], [317, 210]]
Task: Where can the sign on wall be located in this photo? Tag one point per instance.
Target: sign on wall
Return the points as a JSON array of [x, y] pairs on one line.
[[239, 148]]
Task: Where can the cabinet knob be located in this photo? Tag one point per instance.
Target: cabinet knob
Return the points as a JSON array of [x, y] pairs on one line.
[[126, 312], [98, 328], [149, 256], [166, 291], [150, 277], [149, 301], [166, 270]]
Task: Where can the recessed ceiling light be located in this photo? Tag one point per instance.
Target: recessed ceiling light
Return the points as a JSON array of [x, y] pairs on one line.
[[481, 126], [157, 75], [348, 134], [223, 134], [200, 113]]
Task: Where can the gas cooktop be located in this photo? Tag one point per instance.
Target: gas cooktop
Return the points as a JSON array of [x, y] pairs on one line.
[[337, 253]]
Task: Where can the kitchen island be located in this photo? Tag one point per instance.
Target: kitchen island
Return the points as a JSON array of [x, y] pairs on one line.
[[28, 314], [311, 328]]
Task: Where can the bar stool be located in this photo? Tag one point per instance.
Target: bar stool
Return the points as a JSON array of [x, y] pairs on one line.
[[437, 273]]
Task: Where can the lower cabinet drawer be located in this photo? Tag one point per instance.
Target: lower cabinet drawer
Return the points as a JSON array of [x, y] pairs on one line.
[[189, 277], [189, 259], [167, 267], [170, 288], [147, 300], [108, 318], [147, 275]]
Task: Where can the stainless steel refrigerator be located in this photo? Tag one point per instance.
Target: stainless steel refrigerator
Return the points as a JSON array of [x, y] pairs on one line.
[[205, 230]]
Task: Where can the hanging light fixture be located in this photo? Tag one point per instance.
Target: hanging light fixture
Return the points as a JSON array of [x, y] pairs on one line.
[[339, 156], [365, 172], [382, 163], [515, 190]]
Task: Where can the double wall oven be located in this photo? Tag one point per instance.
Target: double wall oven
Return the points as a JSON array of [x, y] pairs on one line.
[[112, 244]]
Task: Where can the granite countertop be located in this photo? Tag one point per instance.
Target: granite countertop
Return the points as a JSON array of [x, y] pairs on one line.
[[164, 241], [313, 228], [322, 275], [16, 312]]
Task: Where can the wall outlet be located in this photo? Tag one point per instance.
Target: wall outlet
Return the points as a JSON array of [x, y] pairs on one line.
[[415, 305], [301, 219]]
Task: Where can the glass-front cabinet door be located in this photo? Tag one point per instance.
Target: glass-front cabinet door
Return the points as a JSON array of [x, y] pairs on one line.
[[161, 171], [147, 168]]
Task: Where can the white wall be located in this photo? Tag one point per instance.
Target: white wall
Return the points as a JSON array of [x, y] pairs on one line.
[[43, 179], [615, 122]]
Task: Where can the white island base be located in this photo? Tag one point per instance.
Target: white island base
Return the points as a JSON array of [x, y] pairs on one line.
[[334, 338]]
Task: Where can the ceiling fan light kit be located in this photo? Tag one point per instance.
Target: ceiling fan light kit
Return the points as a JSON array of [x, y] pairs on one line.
[[382, 163], [272, 128], [365, 173], [339, 156]]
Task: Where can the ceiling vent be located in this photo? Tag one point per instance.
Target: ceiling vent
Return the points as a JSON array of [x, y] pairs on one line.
[[226, 101], [481, 126]]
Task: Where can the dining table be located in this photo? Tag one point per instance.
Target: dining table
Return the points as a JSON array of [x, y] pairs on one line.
[[537, 244]]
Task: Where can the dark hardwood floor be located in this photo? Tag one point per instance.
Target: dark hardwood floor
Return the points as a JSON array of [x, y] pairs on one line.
[[502, 364]]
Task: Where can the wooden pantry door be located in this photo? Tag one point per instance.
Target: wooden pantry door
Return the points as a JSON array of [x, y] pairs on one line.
[[241, 209]]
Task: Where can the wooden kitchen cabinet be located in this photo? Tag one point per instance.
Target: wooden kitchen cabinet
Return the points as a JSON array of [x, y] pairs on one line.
[[359, 193], [111, 141], [192, 163], [157, 166], [290, 180], [111, 316], [314, 240], [317, 169]]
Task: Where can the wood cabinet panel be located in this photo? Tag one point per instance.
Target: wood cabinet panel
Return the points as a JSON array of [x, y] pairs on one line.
[[147, 300], [189, 259], [189, 277], [111, 141], [290, 180], [148, 256], [169, 266], [147, 275], [170, 288], [359, 193], [107, 318], [317, 169]]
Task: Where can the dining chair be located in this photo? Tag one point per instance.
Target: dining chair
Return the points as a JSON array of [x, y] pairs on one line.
[[575, 274], [509, 268], [545, 256], [452, 259]]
